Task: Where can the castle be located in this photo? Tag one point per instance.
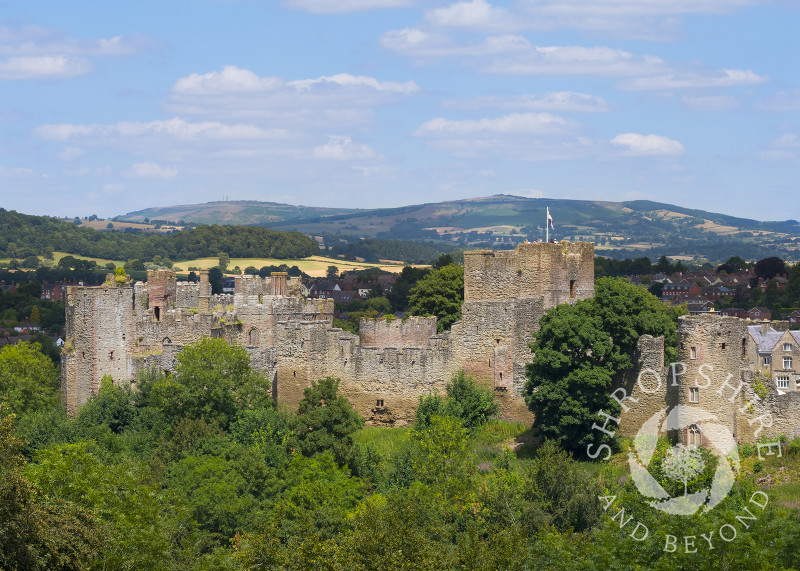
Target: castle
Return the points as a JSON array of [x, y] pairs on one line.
[[123, 330], [743, 374]]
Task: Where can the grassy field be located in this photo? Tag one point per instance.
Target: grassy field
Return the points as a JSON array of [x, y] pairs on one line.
[[100, 261], [315, 266], [103, 225]]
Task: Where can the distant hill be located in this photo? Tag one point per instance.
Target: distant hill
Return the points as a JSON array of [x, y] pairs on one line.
[[619, 229], [246, 212]]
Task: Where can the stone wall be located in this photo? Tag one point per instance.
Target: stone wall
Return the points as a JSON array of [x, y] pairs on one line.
[[99, 333], [646, 388], [383, 371], [560, 273], [397, 333]]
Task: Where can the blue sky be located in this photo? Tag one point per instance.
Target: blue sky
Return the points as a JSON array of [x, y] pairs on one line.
[[111, 107]]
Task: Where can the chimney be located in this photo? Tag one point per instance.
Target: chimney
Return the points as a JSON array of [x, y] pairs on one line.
[[279, 283]]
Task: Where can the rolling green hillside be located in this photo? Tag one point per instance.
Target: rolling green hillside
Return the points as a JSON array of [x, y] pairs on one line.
[[619, 229], [246, 212]]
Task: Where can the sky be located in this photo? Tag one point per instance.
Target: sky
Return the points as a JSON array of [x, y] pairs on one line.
[[107, 108]]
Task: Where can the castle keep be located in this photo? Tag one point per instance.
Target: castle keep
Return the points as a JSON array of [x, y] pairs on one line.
[[122, 331]]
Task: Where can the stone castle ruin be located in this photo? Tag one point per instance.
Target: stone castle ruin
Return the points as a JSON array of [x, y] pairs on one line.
[[746, 375], [121, 331]]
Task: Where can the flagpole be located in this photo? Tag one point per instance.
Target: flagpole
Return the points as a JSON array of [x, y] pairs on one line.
[[547, 226]]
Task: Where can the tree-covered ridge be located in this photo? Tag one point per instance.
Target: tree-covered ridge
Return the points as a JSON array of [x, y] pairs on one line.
[[619, 229], [23, 235]]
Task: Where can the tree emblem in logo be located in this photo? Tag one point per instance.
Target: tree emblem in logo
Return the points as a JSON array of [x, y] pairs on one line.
[[682, 463]]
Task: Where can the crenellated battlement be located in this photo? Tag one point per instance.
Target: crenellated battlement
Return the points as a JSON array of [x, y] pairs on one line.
[[292, 339]]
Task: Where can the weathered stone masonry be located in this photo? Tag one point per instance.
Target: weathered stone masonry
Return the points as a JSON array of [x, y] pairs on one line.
[[121, 331]]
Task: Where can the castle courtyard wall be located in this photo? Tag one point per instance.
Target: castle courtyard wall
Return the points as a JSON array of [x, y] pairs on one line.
[[384, 370]]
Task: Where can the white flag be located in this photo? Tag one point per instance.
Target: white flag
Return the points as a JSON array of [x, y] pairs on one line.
[[549, 219]]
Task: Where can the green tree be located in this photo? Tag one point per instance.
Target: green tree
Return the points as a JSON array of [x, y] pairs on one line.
[[379, 304], [35, 317], [28, 379], [467, 400], [224, 261], [440, 293], [215, 280], [122, 499], [733, 265], [579, 351], [771, 294], [442, 261], [325, 421], [37, 532], [212, 380], [332, 272], [768, 268]]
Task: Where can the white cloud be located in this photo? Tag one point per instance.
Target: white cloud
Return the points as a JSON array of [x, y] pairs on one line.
[[69, 154], [643, 19], [650, 145], [477, 14], [326, 103], [150, 170], [711, 102], [417, 43], [554, 101], [113, 188], [515, 123], [343, 6], [16, 172], [37, 40], [230, 79], [515, 55], [785, 147], [42, 67], [34, 52], [175, 128], [342, 148], [783, 101], [681, 79], [516, 136], [347, 80]]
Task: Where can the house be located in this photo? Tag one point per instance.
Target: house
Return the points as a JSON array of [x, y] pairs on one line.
[[715, 292], [323, 289], [387, 282], [344, 296], [780, 281], [794, 317], [683, 289], [760, 314], [778, 356], [24, 326], [734, 312], [54, 292], [696, 307], [228, 284]]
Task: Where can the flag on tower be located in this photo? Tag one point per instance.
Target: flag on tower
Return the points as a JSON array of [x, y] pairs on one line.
[[549, 219]]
